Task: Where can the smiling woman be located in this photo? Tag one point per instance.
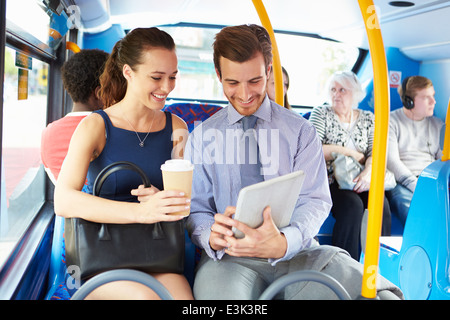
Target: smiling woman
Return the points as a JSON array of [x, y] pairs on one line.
[[149, 81], [143, 66]]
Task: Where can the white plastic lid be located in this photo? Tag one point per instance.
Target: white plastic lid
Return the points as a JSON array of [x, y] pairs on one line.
[[177, 165]]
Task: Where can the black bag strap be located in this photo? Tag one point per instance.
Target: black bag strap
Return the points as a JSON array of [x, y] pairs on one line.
[[101, 178], [114, 167]]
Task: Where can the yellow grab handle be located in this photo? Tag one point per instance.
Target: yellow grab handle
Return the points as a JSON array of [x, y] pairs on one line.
[[446, 149], [276, 64], [72, 46], [381, 110]]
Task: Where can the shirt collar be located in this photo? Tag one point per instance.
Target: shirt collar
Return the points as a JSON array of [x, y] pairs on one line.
[[264, 112]]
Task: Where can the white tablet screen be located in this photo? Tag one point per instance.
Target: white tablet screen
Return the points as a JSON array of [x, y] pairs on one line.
[[280, 193]]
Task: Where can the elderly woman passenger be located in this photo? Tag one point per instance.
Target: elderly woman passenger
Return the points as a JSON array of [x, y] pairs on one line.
[[349, 131]]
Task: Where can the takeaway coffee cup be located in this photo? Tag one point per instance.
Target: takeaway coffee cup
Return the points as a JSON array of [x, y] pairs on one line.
[[177, 175]]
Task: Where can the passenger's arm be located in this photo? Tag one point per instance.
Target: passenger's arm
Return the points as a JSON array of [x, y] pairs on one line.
[[401, 172], [363, 179], [328, 149], [203, 207], [317, 119], [180, 135], [314, 203]]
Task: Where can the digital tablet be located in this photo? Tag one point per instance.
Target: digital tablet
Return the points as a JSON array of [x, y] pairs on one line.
[[280, 193]]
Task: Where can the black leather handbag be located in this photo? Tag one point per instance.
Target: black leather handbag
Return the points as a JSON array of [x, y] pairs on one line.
[[98, 247]]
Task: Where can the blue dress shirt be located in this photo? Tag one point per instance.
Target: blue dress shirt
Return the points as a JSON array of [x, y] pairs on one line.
[[287, 143]]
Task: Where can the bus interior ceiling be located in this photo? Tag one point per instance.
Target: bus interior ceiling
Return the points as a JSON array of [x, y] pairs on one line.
[[416, 37]]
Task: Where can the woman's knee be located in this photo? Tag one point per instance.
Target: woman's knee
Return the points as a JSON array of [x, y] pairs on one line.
[[176, 284], [123, 290]]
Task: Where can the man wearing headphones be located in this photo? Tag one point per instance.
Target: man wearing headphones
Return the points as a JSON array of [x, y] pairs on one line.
[[413, 140]]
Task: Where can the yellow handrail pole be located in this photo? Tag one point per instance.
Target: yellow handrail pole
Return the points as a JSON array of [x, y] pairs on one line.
[[446, 149], [381, 110], [276, 64]]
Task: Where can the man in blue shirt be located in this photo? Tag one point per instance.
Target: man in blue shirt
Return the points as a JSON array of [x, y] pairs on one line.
[[232, 268]]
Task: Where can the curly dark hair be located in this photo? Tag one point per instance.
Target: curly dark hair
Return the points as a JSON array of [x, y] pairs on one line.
[[81, 73]]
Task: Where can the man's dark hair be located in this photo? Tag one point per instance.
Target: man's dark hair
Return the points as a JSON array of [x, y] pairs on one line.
[[241, 43]]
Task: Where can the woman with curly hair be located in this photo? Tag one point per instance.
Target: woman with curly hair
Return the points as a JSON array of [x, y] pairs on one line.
[[81, 79]]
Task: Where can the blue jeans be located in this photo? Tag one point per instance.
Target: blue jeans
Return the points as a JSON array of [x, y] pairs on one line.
[[399, 200]]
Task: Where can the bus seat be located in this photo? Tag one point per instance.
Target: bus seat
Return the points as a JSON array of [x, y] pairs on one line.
[[418, 266], [396, 225], [306, 115], [57, 260], [193, 112], [326, 230], [190, 261], [58, 275]]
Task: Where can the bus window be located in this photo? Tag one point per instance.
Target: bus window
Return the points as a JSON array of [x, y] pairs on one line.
[[310, 61], [23, 176], [33, 20], [37, 24], [197, 76]]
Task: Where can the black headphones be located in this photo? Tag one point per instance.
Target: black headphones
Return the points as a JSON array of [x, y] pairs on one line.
[[408, 102]]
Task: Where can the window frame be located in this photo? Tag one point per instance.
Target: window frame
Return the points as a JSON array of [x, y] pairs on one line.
[[24, 256]]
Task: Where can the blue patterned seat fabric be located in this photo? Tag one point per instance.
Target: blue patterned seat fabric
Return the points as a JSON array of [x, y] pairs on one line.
[[192, 112]]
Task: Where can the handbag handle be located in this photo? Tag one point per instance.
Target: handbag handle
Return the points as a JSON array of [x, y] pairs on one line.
[[101, 178], [114, 167]]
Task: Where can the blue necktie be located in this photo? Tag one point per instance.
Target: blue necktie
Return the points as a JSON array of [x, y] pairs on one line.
[[250, 165]]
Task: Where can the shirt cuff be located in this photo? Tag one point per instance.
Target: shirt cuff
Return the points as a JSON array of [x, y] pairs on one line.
[[411, 183], [203, 241], [294, 239]]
